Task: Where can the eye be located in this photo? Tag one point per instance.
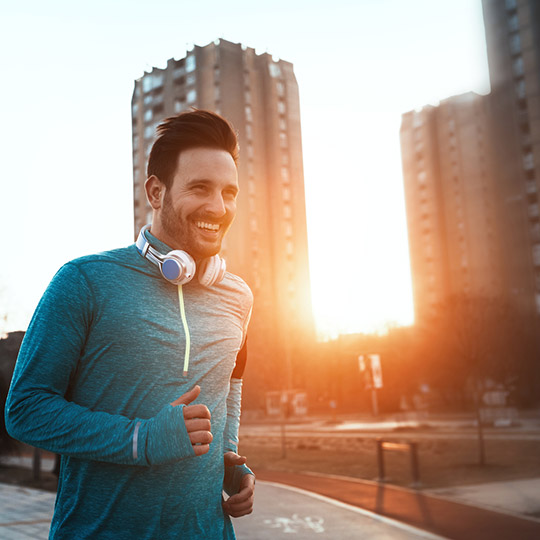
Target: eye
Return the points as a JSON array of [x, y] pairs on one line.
[[199, 188], [230, 194]]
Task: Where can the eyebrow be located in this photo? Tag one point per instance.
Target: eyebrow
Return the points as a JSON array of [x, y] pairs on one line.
[[196, 181]]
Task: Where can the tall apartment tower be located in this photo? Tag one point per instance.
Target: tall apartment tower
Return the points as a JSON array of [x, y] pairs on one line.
[[513, 45], [450, 202], [267, 244]]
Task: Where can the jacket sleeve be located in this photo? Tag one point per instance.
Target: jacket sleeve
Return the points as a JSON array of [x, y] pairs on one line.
[[39, 413]]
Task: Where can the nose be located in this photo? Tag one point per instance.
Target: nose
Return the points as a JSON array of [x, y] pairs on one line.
[[216, 205]]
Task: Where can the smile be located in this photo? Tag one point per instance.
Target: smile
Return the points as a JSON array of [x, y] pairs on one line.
[[208, 226]]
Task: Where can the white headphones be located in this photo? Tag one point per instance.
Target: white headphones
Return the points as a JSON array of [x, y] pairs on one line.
[[178, 267]]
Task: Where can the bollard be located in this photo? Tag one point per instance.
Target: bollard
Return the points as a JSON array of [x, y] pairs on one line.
[[380, 460], [411, 447]]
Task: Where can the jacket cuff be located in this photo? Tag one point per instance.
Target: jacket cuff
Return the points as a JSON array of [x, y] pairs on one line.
[[233, 478], [167, 438]]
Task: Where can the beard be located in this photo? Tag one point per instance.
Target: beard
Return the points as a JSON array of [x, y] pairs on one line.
[[184, 233]]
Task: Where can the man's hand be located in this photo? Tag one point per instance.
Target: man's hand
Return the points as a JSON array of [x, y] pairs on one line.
[[197, 419], [241, 503]]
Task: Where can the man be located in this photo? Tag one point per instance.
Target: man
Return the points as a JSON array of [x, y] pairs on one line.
[[120, 348]]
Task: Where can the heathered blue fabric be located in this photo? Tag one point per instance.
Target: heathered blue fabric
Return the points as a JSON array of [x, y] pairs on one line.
[[104, 354]]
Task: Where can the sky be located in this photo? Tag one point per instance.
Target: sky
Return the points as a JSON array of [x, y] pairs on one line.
[[68, 70]]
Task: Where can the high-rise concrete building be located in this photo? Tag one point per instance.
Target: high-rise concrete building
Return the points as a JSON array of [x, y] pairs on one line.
[[498, 164], [267, 244], [450, 201], [513, 46]]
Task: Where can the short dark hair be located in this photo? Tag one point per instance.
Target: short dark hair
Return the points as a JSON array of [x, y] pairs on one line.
[[191, 129]]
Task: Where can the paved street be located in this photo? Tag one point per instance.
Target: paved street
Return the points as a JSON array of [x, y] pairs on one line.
[[280, 511], [283, 511]]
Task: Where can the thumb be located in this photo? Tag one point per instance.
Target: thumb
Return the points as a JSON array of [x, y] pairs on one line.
[[188, 397], [232, 458]]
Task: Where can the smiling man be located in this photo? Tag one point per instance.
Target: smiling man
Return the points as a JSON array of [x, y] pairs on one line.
[[131, 366]]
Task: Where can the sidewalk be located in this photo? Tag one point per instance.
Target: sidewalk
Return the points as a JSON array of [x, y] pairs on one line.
[[280, 511], [338, 507]]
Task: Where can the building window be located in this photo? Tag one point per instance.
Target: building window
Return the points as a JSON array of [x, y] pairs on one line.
[[286, 194], [417, 120], [179, 72], [287, 213], [281, 107], [513, 23], [251, 187], [289, 248], [282, 124], [148, 132], [178, 105], [533, 210], [274, 70], [288, 229], [148, 115], [520, 88], [191, 96], [285, 175], [249, 132], [517, 66], [190, 63], [283, 140], [249, 115], [515, 43], [253, 225], [147, 83], [280, 89], [152, 81], [510, 5], [135, 109], [528, 161], [190, 80]]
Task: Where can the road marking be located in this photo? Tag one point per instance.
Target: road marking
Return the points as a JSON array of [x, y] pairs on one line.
[[377, 517], [295, 523]]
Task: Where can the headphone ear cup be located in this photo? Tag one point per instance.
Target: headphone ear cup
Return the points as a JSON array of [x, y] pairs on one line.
[[212, 270], [178, 267]]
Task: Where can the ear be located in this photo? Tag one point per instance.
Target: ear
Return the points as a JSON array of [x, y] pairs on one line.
[[155, 190]]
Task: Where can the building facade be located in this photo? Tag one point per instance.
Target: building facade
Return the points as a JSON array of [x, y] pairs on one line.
[[513, 46], [267, 244], [450, 202]]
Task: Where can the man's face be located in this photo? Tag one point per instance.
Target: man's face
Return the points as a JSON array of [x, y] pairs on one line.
[[200, 205]]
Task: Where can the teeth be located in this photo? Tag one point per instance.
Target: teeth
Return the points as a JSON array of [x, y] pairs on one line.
[[208, 226]]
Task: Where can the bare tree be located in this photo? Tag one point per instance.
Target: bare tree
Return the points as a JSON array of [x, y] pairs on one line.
[[472, 340]]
